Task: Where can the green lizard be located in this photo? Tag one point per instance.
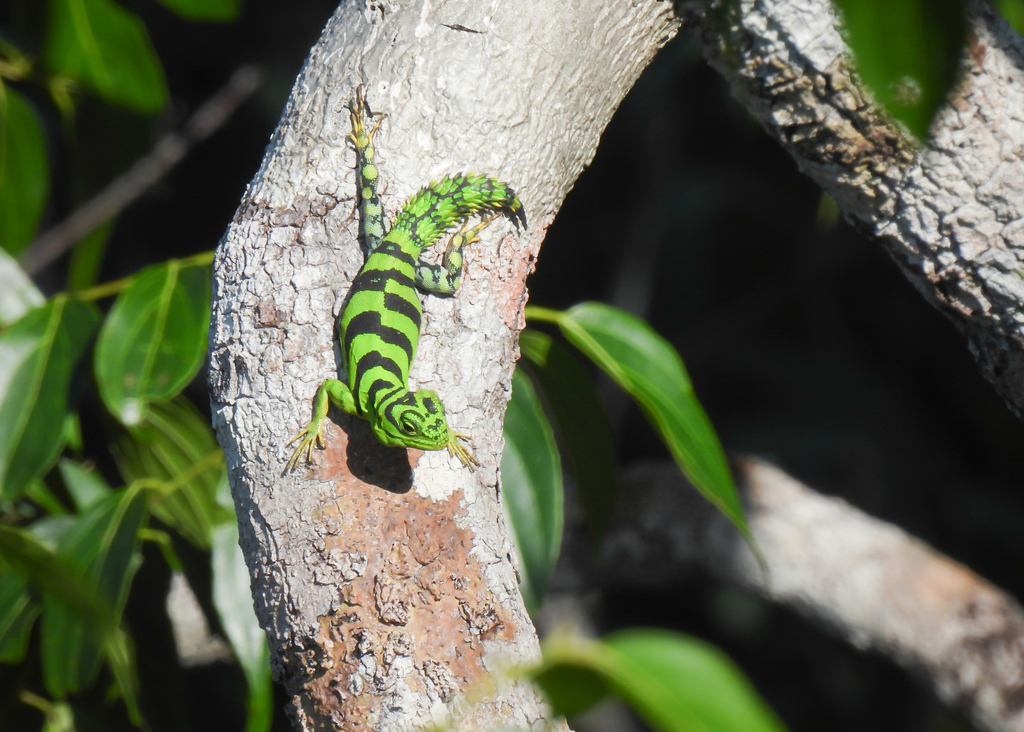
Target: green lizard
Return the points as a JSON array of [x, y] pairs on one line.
[[380, 323]]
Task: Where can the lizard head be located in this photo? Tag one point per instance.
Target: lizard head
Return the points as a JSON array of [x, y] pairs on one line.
[[415, 419]]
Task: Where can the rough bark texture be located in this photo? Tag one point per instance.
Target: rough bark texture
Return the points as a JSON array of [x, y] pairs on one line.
[[385, 578], [952, 215], [868, 580]]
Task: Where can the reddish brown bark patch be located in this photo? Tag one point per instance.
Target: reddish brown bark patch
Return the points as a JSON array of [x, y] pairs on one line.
[[413, 621]]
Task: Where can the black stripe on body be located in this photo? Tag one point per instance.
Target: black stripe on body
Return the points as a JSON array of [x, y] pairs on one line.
[[369, 321], [377, 280], [395, 250], [388, 262], [378, 386], [370, 361], [398, 304]]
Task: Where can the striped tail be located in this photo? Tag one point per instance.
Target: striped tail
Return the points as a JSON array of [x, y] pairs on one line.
[[437, 207]]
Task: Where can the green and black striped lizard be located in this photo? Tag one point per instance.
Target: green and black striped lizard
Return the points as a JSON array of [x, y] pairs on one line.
[[380, 322]]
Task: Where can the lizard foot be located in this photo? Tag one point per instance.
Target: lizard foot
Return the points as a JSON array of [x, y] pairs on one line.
[[462, 453], [308, 437]]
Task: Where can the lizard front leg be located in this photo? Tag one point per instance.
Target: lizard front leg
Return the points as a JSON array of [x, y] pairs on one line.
[[332, 391]]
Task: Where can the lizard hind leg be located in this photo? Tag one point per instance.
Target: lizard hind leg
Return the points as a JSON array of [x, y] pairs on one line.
[[446, 278]]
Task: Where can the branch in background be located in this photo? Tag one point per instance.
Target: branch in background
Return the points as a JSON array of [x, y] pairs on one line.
[[952, 216], [146, 171], [867, 580]]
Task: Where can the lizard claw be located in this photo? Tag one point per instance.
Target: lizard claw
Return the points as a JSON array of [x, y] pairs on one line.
[[305, 446], [462, 453]]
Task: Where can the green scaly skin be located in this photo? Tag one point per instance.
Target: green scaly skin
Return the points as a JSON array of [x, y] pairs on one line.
[[380, 325]]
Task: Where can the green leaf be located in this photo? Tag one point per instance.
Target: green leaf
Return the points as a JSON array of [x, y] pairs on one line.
[[154, 339], [675, 682], [1013, 12], [581, 423], [38, 355], [102, 550], [209, 10], [175, 446], [85, 485], [232, 597], [106, 47], [649, 368], [22, 551], [18, 294], [907, 52], [24, 171], [17, 613], [40, 493], [531, 479], [29, 557]]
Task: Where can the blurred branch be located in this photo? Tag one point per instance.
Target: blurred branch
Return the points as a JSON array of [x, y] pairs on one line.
[[869, 581], [144, 173], [951, 215]]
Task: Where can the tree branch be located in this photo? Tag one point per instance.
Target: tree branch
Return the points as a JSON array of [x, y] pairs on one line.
[[951, 215], [867, 580], [385, 578]]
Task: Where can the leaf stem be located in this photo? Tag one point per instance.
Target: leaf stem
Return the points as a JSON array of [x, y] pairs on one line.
[[114, 287]]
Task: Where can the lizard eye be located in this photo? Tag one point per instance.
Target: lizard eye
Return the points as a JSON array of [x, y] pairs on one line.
[[408, 426]]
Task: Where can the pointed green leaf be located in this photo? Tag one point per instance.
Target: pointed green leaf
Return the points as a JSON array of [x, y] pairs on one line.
[[38, 356], [675, 682], [907, 52], [531, 480], [209, 10], [175, 445], [650, 369], [102, 549], [232, 597], [17, 613], [154, 339], [85, 485], [24, 171], [40, 493], [580, 421], [106, 47]]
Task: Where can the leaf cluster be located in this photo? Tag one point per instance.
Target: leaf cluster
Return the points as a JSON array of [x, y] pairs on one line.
[[82, 386]]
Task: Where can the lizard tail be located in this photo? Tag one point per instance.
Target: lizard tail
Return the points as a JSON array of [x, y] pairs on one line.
[[440, 205]]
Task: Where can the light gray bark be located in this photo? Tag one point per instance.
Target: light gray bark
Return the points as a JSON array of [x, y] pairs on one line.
[[867, 580], [386, 609]]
